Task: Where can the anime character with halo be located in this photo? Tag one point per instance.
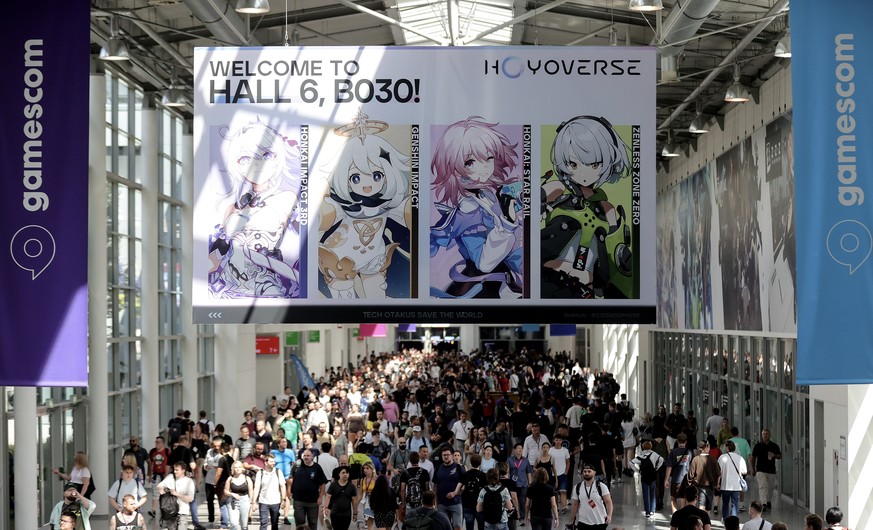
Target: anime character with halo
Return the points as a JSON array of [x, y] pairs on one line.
[[364, 221]]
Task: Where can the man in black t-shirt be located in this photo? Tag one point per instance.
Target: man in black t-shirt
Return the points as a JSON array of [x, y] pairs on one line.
[[677, 521], [763, 460], [307, 489]]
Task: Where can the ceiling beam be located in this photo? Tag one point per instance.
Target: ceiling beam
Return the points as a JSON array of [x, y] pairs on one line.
[[521, 18], [380, 16]]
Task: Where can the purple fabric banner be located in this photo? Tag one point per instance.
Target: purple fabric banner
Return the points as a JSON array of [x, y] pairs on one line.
[[562, 330], [406, 328], [374, 330], [44, 215]]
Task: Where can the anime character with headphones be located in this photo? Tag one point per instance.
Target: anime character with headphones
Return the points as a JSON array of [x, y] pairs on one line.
[[578, 219]]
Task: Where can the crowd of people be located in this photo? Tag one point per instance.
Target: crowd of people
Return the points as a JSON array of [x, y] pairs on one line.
[[416, 441]]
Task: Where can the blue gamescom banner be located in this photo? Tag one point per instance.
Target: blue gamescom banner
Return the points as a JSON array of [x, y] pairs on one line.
[[832, 76], [44, 214]]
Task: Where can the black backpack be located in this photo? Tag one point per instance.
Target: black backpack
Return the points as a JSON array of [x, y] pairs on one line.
[[413, 490], [647, 469], [474, 484], [169, 505], [420, 521], [174, 431], [492, 505]]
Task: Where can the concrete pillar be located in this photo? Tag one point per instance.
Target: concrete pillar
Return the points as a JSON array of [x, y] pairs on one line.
[[26, 516], [189, 330], [150, 359], [98, 386], [234, 362], [469, 339]]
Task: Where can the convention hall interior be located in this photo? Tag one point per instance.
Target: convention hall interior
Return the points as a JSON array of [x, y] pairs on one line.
[[723, 337]]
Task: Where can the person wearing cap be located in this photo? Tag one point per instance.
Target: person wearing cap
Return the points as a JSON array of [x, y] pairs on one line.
[[417, 439], [73, 503], [591, 502]]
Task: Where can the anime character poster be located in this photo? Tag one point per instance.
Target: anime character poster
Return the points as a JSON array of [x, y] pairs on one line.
[[779, 159], [666, 258], [695, 226], [738, 197], [365, 222], [478, 230], [256, 245], [586, 248]]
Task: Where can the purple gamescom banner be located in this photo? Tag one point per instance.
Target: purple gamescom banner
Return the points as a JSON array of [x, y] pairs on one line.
[[44, 213]]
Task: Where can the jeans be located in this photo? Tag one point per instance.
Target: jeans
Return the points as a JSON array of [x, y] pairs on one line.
[[269, 514], [522, 503], [238, 512], [649, 489], [495, 526], [223, 511], [306, 513], [540, 523], [472, 516], [193, 506], [730, 502]]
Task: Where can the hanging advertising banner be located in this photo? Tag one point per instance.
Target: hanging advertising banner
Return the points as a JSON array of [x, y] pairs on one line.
[[388, 185], [832, 65], [44, 218]]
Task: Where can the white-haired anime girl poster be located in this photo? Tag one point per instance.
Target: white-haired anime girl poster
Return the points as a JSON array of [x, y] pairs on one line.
[[257, 239]]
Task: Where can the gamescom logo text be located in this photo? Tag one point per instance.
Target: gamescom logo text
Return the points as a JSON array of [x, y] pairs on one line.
[[513, 67]]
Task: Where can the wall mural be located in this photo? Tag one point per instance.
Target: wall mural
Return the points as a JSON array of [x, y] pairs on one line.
[[726, 240]]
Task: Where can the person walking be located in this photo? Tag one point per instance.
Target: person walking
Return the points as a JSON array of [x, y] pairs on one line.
[[733, 472], [764, 457]]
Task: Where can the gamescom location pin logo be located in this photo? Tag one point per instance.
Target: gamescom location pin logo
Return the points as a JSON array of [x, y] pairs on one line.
[[849, 243], [32, 249]]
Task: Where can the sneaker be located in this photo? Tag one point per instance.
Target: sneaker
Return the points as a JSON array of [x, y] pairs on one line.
[[288, 521], [521, 523], [742, 508], [152, 514]]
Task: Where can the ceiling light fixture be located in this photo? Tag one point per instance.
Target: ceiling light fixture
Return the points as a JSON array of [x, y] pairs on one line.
[[645, 5], [115, 48], [253, 7], [174, 95], [736, 93], [613, 36], [670, 149], [669, 69], [698, 124], [783, 47]]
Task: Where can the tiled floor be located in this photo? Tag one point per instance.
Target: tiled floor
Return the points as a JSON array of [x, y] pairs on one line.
[[628, 513]]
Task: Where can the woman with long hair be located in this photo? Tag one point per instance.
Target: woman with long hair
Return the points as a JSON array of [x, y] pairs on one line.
[[383, 504], [238, 493], [366, 485], [80, 475]]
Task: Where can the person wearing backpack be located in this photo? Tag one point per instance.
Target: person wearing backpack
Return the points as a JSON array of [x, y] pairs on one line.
[[269, 493], [427, 517], [677, 469], [592, 502], [494, 502], [647, 464], [472, 482], [181, 487], [414, 481]]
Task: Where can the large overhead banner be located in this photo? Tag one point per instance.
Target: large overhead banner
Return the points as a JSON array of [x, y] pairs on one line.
[[833, 115], [368, 185], [44, 216]]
